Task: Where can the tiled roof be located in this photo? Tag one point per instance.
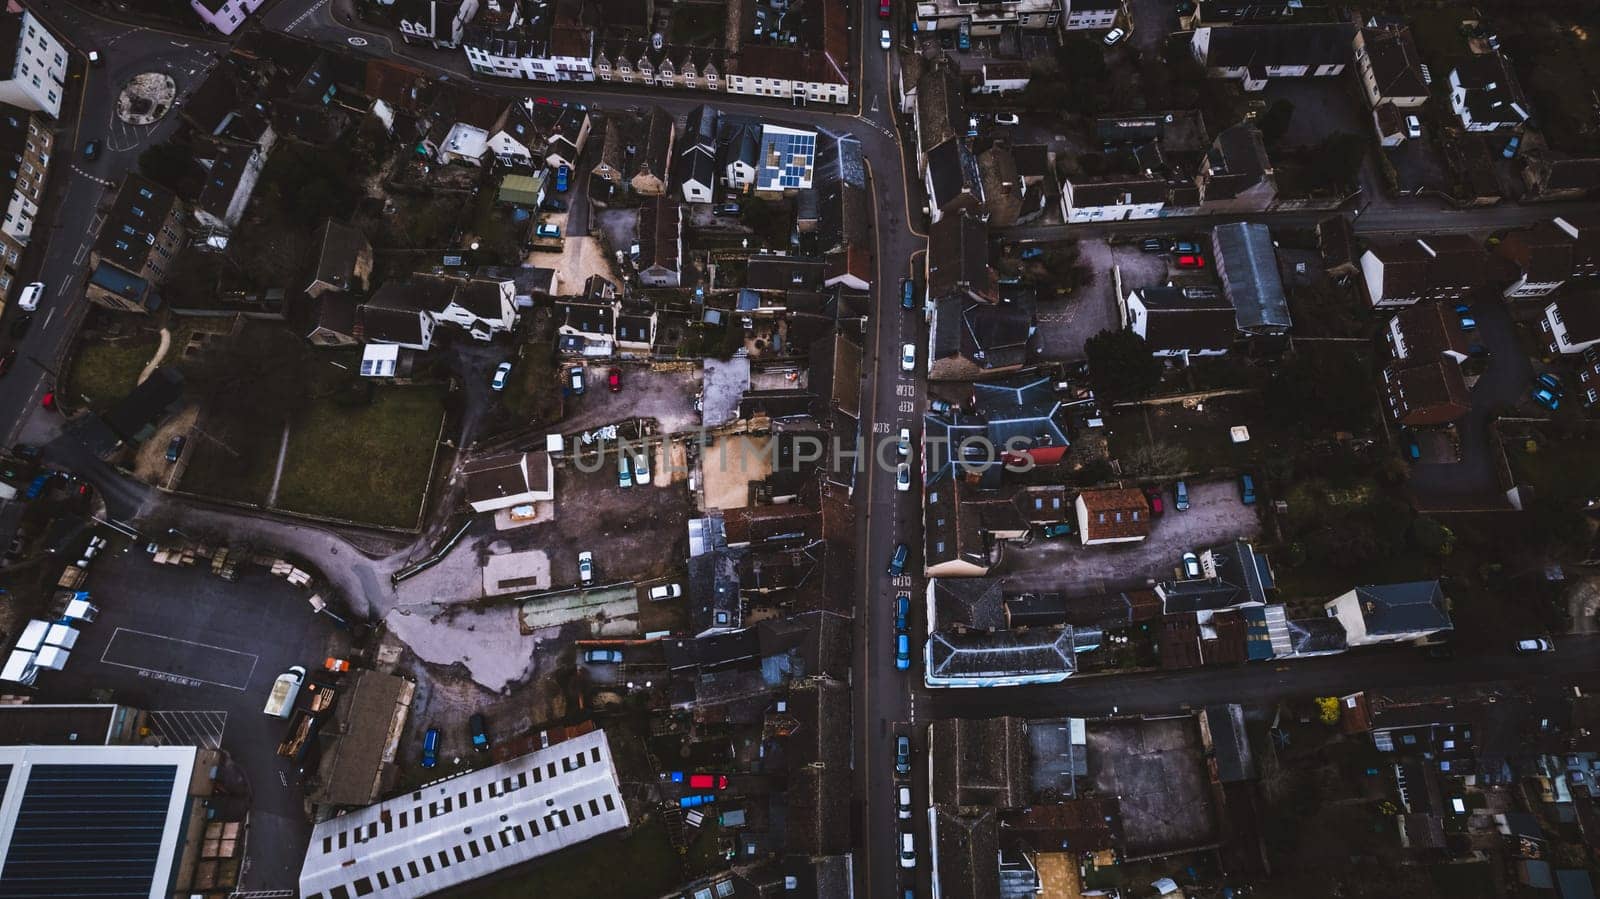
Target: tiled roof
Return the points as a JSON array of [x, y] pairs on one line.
[[1116, 512]]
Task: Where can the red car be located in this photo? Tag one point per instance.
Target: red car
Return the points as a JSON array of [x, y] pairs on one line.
[[48, 400], [614, 379], [1154, 496], [1190, 260], [707, 781], [883, 9]]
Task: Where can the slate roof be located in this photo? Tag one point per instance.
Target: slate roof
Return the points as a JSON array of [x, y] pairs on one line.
[[969, 603], [660, 221], [1490, 88], [1248, 266], [1230, 743], [137, 213], [958, 257], [1396, 64], [1117, 190], [1543, 252], [1403, 608], [952, 172], [1187, 318], [1316, 635], [1434, 390], [1025, 409], [1233, 574], [980, 762], [941, 108], [1428, 330], [968, 853], [388, 325], [1581, 315], [1039, 652], [338, 247], [1243, 46]]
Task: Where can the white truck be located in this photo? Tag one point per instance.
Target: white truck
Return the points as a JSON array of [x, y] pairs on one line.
[[280, 702]]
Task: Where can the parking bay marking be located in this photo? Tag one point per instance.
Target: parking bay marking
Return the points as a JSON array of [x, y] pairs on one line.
[[227, 659]]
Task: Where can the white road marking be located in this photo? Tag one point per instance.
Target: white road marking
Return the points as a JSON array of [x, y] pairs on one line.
[[48, 315], [191, 728], [159, 674]]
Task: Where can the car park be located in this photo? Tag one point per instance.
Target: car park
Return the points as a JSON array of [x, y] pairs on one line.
[[641, 467], [1180, 496], [902, 651], [1191, 566], [501, 373], [884, 40], [575, 380], [430, 748], [908, 357], [545, 229], [1115, 36], [602, 656], [897, 561], [902, 477], [1534, 645], [614, 379], [902, 755], [28, 300], [665, 591], [624, 471], [480, 733], [563, 176], [1007, 118], [586, 567], [908, 851]]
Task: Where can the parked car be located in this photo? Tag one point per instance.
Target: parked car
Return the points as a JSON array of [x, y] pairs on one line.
[[908, 294], [908, 357], [614, 379], [1535, 644], [972, 125], [964, 36], [902, 477], [641, 467], [697, 799], [1115, 36], [708, 781], [1511, 146], [1153, 494], [904, 446], [902, 651], [908, 851], [95, 59], [727, 209], [1468, 323], [884, 39], [91, 150], [902, 611], [28, 300], [1441, 651], [6, 361], [1191, 260], [603, 656], [1153, 245], [1058, 529], [1247, 490], [563, 175], [624, 471], [575, 379], [902, 802], [19, 327], [1007, 118], [902, 755], [586, 567], [554, 204], [1413, 126], [1547, 399], [1185, 246], [1180, 496], [430, 748], [1551, 382], [501, 373], [947, 40], [48, 401], [1413, 449], [897, 562], [175, 448], [883, 9], [545, 229], [480, 733], [939, 407], [665, 591], [1191, 566], [1032, 253]]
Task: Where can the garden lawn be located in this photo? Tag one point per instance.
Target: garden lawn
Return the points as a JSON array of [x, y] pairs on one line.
[[368, 464], [107, 372]]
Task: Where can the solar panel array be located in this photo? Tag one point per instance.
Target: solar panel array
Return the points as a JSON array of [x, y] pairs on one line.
[[788, 158], [88, 830]]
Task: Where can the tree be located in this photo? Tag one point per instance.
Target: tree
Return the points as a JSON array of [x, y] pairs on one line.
[[1121, 366], [1274, 123], [1337, 161], [168, 165], [1328, 710], [1432, 537]]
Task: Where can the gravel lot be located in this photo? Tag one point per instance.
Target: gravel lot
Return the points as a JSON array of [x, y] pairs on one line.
[[1215, 516], [1065, 325], [668, 397]]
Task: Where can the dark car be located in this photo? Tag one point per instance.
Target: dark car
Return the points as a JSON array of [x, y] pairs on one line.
[[1153, 245], [480, 734], [902, 755], [897, 562], [21, 325], [555, 204], [908, 294], [6, 361], [430, 748], [727, 209], [902, 611], [175, 448], [1059, 529], [91, 149]]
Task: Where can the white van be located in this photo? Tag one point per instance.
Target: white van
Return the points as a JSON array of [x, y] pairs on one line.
[[28, 301], [280, 702]]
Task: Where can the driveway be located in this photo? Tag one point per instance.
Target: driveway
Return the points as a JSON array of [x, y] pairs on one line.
[[1471, 482], [202, 654], [665, 396], [1215, 516], [1153, 21]]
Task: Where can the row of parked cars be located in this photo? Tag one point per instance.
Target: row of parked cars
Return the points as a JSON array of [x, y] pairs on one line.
[[477, 730]]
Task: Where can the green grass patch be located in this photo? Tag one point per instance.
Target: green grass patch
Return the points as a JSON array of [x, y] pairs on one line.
[[637, 866], [367, 463], [103, 373], [229, 466], [533, 392]]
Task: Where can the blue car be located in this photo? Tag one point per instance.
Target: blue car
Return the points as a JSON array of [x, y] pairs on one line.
[[1033, 253], [902, 611], [562, 174], [1545, 398], [908, 294], [1551, 383], [697, 799], [1413, 449], [1511, 148], [430, 748], [1468, 323], [902, 651]]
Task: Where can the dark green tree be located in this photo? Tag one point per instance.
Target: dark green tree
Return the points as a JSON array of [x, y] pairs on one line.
[[1337, 160], [1120, 365]]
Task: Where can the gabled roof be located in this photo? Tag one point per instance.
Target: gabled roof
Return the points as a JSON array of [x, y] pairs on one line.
[[339, 247], [1429, 329], [968, 852], [128, 231], [1396, 64], [1490, 88], [941, 109], [1187, 318], [1021, 412], [1116, 512], [996, 335], [1038, 653], [1117, 190], [1267, 46], [1403, 608], [971, 603], [958, 258], [388, 325], [1232, 574], [660, 223], [1543, 252], [1580, 313], [1434, 389], [1248, 266], [980, 762], [654, 149]]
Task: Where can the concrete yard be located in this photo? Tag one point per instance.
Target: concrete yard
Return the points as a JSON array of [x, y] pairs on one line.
[[1154, 768], [516, 572], [1215, 516]]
